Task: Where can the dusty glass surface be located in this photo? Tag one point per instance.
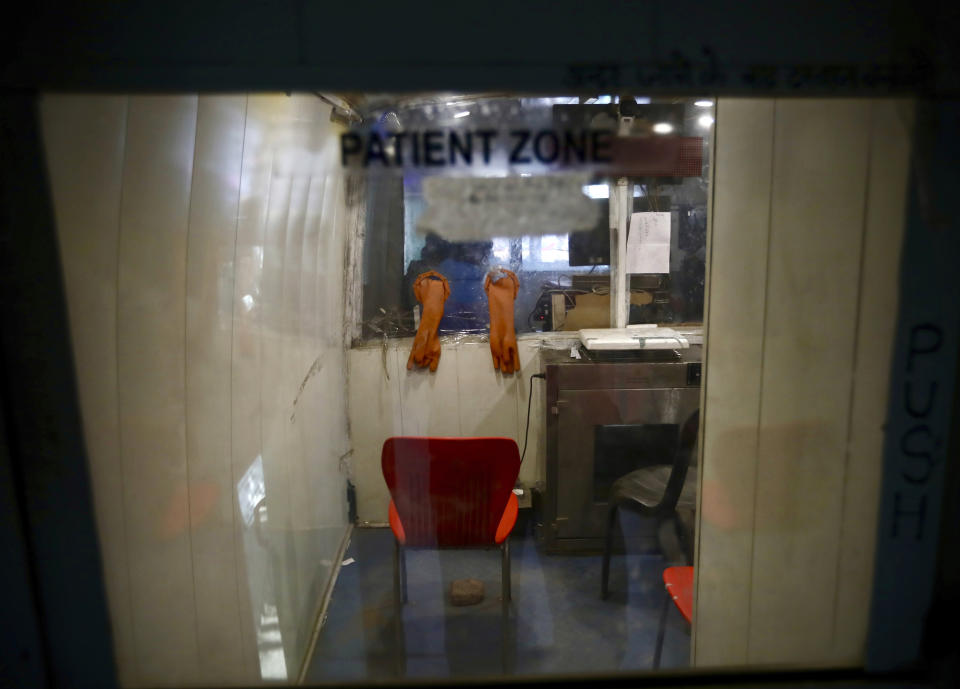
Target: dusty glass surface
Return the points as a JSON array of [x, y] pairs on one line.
[[530, 185], [569, 265], [355, 409]]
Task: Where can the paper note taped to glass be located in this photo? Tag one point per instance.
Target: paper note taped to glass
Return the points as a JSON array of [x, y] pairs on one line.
[[648, 243], [477, 208]]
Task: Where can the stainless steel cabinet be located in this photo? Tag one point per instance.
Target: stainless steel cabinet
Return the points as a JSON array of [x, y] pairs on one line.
[[604, 419]]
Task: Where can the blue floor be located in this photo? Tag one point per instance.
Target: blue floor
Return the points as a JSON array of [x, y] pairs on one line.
[[557, 622]]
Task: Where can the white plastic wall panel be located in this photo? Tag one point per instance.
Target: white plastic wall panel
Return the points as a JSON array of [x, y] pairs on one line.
[[203, 247], [890, 125], [85, 138], [328, 384], [430, 401], [305, 413], [792, 460], [246, 361], [488, 398], [290, 344], [272, 391], [151, 319], [816, 229], [735, 318], [214, 202], [375, 415], [302, 420]]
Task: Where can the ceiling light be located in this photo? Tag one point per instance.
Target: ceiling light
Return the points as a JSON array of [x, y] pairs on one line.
[[462, 113], [705, 121], [663, 127], [703, 103]]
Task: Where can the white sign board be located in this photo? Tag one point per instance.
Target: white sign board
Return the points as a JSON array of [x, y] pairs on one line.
[[478, 208]]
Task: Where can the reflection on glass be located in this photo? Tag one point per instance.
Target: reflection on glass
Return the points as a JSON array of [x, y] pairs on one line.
[[599, 419]]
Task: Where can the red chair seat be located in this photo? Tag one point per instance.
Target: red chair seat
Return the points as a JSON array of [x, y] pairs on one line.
[[507, 521], [679, 583]]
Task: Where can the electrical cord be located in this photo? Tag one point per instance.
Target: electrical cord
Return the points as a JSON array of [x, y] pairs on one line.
[[526, 433]]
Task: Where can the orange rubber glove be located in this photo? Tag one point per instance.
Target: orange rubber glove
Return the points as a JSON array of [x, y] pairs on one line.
[[503, 337], [431, 289]]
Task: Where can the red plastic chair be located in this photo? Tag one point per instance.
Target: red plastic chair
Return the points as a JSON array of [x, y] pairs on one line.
[[678, 582], [451, 493]]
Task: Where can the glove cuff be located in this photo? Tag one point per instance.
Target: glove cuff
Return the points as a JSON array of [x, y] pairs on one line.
[[430, 274], [507, 273]]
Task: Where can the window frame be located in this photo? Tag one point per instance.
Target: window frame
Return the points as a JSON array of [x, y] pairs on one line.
[[42, 443]]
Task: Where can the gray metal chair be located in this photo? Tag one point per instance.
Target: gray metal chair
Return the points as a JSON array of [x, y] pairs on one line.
[[662, 492]]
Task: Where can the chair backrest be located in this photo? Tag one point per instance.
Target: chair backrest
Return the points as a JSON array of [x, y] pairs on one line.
[[450, 491], [685, 458], [689, 437]]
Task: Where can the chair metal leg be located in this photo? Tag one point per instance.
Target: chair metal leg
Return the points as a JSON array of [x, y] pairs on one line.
[[396, 572], [663, 627], [607, 548], [400, 651], [506, 639], [505, 570], [403, 574], [506, 644]]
